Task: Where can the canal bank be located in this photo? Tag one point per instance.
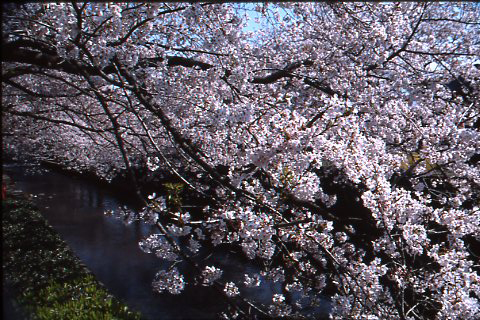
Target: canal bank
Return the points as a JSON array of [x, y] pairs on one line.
[[42, 277]]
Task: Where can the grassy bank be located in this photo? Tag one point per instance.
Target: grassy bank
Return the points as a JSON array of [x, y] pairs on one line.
[[47, 279]]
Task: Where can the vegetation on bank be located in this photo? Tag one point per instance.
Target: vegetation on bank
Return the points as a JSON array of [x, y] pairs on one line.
[[48, 280]]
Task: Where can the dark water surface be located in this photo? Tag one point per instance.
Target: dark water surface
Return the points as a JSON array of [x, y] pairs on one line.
[[109, 248]]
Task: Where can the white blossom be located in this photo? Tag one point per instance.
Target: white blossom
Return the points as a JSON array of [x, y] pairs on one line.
[[253, 281], [210, 274], [171, 281], [231, 289]]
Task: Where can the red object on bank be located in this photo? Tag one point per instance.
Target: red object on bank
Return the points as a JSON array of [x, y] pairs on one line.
[[5, 182], [4, 190]]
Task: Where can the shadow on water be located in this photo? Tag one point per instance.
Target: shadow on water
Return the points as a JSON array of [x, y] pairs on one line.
[[109, 248]]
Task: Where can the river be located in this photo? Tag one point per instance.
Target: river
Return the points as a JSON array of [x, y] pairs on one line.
[[75, 208]]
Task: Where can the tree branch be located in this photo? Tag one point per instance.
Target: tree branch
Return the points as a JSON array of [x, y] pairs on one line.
[[188, 63], [57, 121], [286, 72]]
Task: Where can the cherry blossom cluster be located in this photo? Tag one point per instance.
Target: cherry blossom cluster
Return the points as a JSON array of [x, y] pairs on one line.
[[171, 281]]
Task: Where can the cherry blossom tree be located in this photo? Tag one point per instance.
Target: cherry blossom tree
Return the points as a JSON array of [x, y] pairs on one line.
[[337, 147]]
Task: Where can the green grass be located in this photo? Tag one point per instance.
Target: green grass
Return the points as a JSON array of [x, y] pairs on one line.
[[48, 280]]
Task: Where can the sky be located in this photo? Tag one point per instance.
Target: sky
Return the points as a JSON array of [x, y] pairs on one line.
[[249, 9], [252, 25]]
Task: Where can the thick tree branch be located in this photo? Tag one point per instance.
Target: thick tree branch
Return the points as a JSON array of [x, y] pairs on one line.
[[188, 63], [44, 57], [45, 60], [317, 85], [286, 72]]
